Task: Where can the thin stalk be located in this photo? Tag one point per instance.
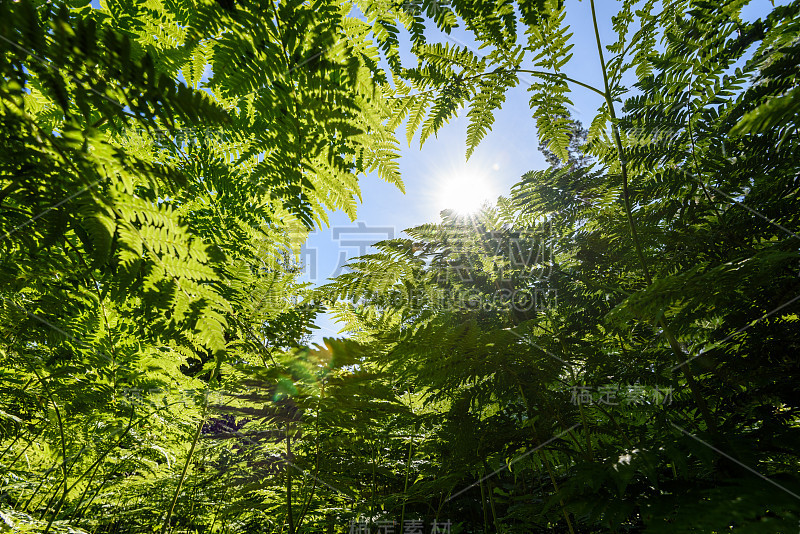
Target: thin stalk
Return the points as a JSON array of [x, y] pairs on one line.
[[102, 484], [501, 71], [483, 504], [555, 486], [117, 522], [124, 434], [694, 152], [618, 142], [49, 502], [544, 460], [491, 499], [563, 423], [405, 485], [117, 444], [36, 491], [315, 476], [18, 456], [687, 372], [289, 512], [673, 343], [541, 73], [191, 452], [585, 423], [14, 442], [64, 467], [85, 491], [373, 490], [184, 471], [216, 512], [74, 459], [191, 517]]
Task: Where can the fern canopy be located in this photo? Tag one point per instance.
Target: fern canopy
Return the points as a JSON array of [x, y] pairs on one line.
[[610, 348]]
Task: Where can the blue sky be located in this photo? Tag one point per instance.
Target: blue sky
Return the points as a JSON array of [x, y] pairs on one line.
[[506, 153], [432, 172]]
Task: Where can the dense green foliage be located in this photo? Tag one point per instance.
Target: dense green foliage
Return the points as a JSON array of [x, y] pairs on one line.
[[149, 227], [611, 348]]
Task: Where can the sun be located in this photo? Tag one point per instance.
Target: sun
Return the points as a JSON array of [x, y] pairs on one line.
[[465, 192]]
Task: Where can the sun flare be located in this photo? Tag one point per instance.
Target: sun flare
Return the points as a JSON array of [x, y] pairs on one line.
[[465, 192]]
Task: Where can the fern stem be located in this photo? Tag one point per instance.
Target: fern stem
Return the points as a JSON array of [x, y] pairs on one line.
[[289, 511], [687, 372], [23, 451], [100, 486], [96, 465], [49, 503], [541, 73], [85, 491], [405, 484], [11, 445], [64, 467], [216, 512], [185, 469], [582, 414], [119, 441], [315, 476], [694, 154], [673, 343], [618, 142], [36, 491], [483, 503], [541, 455], [491, 499], [537, 73], [19, 426]]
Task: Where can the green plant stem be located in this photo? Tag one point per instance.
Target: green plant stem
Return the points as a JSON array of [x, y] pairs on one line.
[[372, 484], [11, 445], [582, 414], [102, 484], [85, 491], [74, 459], [405, 484], [36, 491], [673, 343], [49, 503], [185, 469], [544, 459], [118, 443], [63, 446], [23, 451], [289, 511], [687, 372], [307, 503], [541, 74], [618, 142], [19, 426], [490, 491], [216, 512], [537, 73], [483, 503]]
